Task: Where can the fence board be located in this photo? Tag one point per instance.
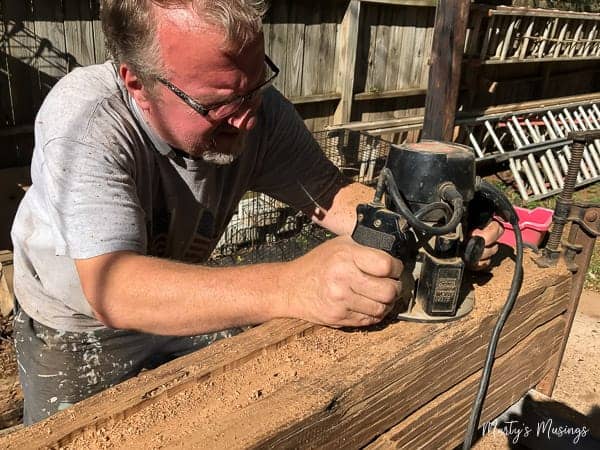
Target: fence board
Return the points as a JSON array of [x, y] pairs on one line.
[[100, 51], [51, 56], [6, 110], [325, 58], [295, 51], [20, 47], [79, 34]]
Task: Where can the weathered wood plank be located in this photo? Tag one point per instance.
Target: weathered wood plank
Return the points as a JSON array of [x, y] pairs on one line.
[[375, 388], [421, 53], [540, 12], [275, 43], [321, 407], [7, 119], [100, 50], [327, 81], [79, 33], [295, 50], [404, 2], [407, 45], [444, 75], [348, 38], [397, 21], [317, 98], [6, 109], [379, 64], [379, 390], [442, 422], [51, 57], [149, 387], [21, 47], [312, 41], [390, 94]]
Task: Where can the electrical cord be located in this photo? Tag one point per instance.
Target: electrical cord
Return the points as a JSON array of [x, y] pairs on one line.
[[436, 206], [507, 212], [449, 192]]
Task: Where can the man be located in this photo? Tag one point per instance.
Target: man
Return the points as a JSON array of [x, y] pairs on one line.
[[145, 160]]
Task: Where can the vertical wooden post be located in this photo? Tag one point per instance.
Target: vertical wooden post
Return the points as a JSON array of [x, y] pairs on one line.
[[444, 74], [348, 38], [579, 238]]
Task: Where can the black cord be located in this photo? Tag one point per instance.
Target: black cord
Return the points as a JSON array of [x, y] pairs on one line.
[[449, 192], [507, 212], [436, 206]]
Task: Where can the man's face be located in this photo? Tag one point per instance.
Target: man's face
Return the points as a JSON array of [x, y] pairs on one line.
[[198, 62]]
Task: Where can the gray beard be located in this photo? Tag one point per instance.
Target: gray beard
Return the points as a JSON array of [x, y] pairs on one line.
[[218, 159], [211, 155]]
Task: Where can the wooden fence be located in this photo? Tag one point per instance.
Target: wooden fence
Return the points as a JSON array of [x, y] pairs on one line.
[[340, 60]]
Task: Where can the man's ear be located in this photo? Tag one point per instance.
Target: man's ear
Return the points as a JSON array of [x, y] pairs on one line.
[[134, 86]]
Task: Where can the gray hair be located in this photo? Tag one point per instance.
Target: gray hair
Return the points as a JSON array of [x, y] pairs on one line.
[[130, 28]]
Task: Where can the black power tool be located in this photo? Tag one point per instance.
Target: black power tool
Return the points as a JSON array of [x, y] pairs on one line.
[[428, 186], [432, 197]]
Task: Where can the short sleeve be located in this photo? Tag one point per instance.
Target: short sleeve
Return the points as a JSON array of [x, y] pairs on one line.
[[91, 200], [293, 165]]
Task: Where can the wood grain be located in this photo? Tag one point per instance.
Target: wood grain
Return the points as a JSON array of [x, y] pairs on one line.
[[444, 75], [442, 422], [140, 392]]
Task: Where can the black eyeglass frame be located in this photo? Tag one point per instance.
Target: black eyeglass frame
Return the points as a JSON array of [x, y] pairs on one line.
[[204, 110]]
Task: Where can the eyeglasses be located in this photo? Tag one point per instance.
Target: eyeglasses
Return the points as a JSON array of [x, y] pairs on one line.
[[220, 111]]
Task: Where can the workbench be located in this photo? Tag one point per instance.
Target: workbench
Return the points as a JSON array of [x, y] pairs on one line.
[[291, 384]]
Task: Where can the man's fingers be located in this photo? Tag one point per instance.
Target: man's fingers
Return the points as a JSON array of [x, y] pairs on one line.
[[481, 265], [491, 233], [488, 252], [362, 319], [355, 319], [382, 290], [377, 262]]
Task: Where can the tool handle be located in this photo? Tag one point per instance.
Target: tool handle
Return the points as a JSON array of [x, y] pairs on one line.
[[474, 250]]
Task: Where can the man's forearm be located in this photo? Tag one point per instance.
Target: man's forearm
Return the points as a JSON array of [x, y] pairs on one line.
[[164, 297]]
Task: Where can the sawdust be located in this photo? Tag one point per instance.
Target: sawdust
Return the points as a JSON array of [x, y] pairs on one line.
[[11, 397], [578, 382], [170, 419]]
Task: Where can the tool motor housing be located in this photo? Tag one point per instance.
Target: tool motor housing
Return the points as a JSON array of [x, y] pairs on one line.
[[420, 169], [421, 172]]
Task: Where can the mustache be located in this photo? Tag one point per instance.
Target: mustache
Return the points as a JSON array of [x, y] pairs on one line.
[[226, 129]]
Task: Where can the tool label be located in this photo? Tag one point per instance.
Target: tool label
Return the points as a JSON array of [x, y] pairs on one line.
[[446, 289]]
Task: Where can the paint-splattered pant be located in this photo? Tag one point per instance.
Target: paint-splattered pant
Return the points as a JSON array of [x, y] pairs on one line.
[[58, 368]]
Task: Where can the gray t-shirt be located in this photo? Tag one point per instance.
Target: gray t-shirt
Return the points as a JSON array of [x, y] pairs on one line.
[[104, 182]]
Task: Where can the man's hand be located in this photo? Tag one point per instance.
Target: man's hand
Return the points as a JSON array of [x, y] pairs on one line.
[[341, 283], [491, 233]]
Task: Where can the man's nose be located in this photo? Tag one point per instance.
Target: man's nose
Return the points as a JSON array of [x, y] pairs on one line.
[[245, 118]]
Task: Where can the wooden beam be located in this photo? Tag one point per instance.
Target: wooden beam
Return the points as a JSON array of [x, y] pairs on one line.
[[348, 38], [363, 126], [540, 12], [432, 3], [462, 117], [444, 75], [531, 106], [350, 412], [167, 380], [390, 94], [353, 397], [441, 423], [316, 98], [549, 59], [585, 242]]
